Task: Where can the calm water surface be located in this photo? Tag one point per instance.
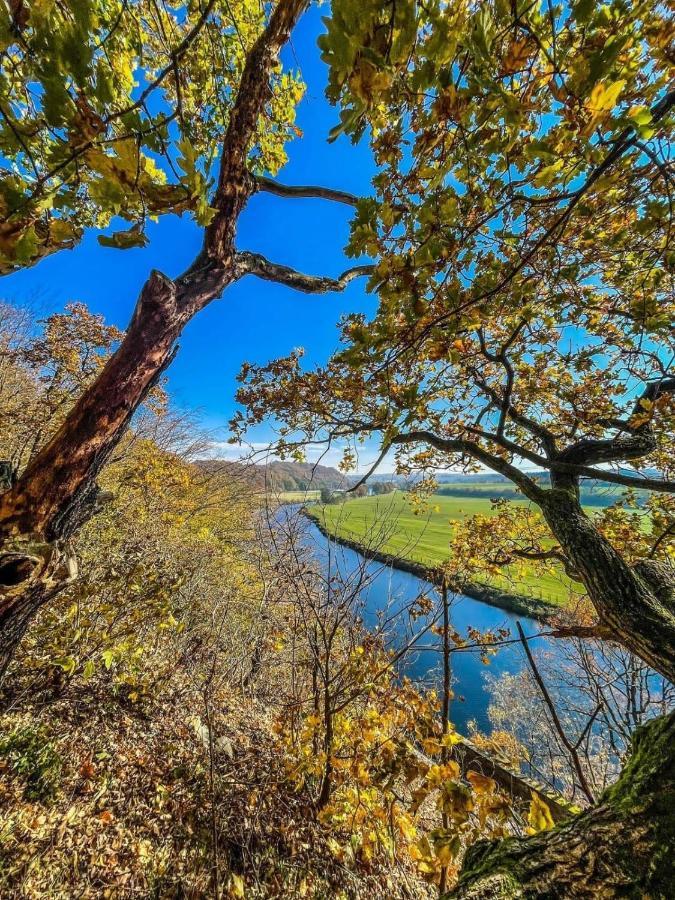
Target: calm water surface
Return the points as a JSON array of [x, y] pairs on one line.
[[391, 589]]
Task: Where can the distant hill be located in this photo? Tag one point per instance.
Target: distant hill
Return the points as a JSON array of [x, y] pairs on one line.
[[278, 476], [449, 478], [294, 476]]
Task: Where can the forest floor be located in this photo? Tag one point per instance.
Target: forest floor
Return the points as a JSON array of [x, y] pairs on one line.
[[104, 799]]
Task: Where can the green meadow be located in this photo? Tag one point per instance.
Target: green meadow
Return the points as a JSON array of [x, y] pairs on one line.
[[297, 496], [389, 523]]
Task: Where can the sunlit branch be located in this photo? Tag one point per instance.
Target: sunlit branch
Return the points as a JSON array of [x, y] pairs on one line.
[[296, 191], [506, 406], [586, 632], [528, 486], [569, 746], [624, 142], [234, 180], [176, 54], [511, 446], [385, 449], [506, 558], [256, 264]]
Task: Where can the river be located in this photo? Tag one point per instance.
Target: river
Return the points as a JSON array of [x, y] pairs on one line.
[[390, 589]]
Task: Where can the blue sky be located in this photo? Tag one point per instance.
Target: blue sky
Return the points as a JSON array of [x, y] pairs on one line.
[[255, 320]]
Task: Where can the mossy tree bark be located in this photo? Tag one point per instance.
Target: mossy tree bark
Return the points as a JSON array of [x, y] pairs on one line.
[[621, 848], [635, 603], [625, 845]]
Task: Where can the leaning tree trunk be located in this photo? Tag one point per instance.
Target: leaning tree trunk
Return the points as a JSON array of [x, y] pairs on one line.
[[637, 603], [625, 845], [622, 848], [57, 492]]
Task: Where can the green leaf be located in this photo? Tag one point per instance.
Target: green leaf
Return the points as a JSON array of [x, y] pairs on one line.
[[582, 11], [124, 240], [26, 247]]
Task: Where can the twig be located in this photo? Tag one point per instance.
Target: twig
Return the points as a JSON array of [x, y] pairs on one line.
[[571, 748]]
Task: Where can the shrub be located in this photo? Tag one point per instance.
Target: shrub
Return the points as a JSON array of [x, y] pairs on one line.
[[32, 755]]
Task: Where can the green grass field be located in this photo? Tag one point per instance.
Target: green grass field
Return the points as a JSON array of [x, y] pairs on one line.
[[297, 496], [388, 523]]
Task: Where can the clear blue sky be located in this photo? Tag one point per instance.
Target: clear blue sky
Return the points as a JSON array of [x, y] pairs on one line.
[[254, 320]]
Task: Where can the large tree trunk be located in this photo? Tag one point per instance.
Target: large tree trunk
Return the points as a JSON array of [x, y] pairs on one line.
[[58, 492], [41, 500], [635, 602], [623, 847]]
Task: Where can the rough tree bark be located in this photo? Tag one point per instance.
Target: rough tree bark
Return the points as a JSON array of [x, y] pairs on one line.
[[623, 847], [57, 492], [635, 602]]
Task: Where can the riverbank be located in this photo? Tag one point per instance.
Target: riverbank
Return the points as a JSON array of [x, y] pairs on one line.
[[516, 603]]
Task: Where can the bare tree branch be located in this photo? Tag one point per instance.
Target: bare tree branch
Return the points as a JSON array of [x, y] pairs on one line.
[[256, 264], [528, 486], [295, 191], [590, 451], [510, 446], [587, 632], [569, 746], [385, 449]]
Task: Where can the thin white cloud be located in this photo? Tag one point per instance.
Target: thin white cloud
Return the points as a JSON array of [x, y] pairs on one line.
[[259, 452], [256, 452]]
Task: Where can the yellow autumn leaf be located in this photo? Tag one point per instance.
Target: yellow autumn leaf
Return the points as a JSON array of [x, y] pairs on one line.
[[601, 101], [604, 96], [517, 55], [539, 817], [237, 888], [481, 783]]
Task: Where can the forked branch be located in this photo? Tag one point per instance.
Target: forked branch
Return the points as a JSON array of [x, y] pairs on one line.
[[569, 746]]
